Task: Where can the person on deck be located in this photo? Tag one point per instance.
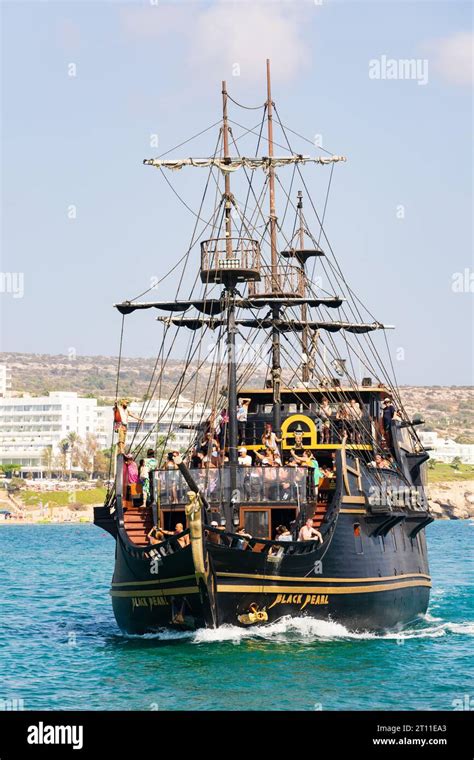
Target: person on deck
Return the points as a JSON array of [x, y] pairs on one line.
[[150, 463], [381, 462], [242, 415], [270, 439], [269, 458], [354, 413], [156, 535], [388, 410], [326, 432], [241, 542], [172, 477], [326, 413], [308, 533], [208, 442], [130, 469], [244, 459], [212, 535], [121, 417], [221, 429], [283, 534], [342, 423], [179, 528], [308, 460], [143, 479]]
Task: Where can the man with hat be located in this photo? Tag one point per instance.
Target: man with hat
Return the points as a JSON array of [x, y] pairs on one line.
[[213, 535], [121, 415], [244, 459], [388, 410]]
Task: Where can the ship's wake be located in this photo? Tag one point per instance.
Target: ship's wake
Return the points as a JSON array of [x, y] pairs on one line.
[[306, 630]]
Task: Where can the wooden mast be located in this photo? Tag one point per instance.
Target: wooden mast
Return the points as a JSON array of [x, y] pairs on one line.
[[227, 193], [304, 307], [271, 184], [276, 361], [231, 328]]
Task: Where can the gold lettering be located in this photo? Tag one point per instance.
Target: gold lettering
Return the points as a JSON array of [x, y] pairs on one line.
[[306, 601], [278, 600]]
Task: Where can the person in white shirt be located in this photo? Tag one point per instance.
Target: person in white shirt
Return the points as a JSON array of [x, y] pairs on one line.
[[242, 415], [244, 459]]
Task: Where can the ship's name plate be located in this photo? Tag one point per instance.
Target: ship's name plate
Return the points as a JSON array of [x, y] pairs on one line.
[[149, 601], [302, 599]]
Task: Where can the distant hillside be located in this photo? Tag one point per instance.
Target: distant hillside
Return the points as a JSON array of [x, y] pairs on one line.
[[447, 410], [96, 375]]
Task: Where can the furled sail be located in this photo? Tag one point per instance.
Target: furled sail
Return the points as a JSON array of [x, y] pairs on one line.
[[212, 306], [209, 306], [232, 164], [282, 325]]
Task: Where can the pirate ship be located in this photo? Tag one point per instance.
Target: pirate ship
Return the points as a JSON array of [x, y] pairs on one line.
[[365, 564]]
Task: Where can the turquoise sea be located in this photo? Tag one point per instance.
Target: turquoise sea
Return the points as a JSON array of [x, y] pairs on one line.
[[60, 648]]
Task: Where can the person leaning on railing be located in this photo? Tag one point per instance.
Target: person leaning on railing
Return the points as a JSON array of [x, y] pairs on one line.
[[309, 461]]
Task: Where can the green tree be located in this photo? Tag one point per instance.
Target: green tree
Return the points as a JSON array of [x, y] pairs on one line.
[[62, 456], [456, 463], [74, 442]]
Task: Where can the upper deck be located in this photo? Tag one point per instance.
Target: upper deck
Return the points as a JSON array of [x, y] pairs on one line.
[[301, 410]]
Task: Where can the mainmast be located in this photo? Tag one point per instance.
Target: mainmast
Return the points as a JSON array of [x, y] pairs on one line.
[[271, 184], [274, 279], [227, 193], [230, 303], [305, 373]]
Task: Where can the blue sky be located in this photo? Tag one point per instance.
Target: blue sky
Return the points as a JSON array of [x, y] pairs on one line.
[[145, 69]]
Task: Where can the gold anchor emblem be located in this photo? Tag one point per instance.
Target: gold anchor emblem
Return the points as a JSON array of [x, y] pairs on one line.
[[254, 615]]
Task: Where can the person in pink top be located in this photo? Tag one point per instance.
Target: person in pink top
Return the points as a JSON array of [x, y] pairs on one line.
[[130, 470]]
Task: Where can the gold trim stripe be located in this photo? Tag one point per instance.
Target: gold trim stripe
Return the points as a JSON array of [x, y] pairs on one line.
[[158, 591], [379, 579], [352, 511], [157, 580], [228, 589]]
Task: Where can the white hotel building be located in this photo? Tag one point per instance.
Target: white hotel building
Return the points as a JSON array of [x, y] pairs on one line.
[[445, 449], [30, 424]]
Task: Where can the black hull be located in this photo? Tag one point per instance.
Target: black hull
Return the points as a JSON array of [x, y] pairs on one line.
[[385, 587]]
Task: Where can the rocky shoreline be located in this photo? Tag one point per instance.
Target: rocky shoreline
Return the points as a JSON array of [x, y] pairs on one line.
[[452, 500]]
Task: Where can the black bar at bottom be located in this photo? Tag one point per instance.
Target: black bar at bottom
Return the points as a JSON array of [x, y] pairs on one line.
[[128, 734]]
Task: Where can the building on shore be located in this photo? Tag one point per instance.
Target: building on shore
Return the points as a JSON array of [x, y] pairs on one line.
[[31, 424], [445, 449], [5, 380]]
